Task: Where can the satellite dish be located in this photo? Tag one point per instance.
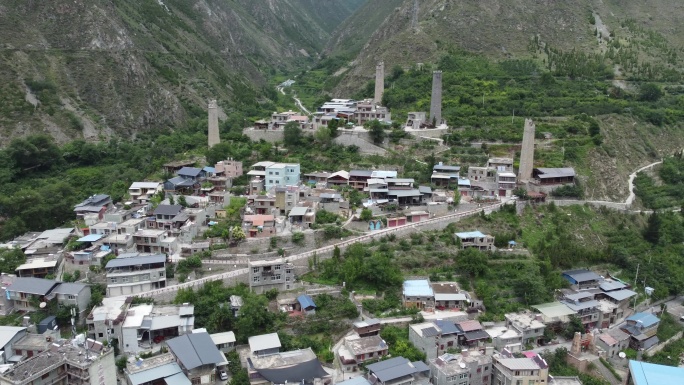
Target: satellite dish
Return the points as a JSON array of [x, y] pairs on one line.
[[462, 365], [42, 305], [622, 355]]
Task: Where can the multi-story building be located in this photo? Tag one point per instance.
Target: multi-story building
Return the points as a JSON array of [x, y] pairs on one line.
[[358, 179], [506, 182], [73, 294], [228, 168], [434, 338], [259, 169], [264, 205], [368, 327], [418, 293], [154, 241], [476, 239], [133, 273], [259, 226], [104, 322], [397, 371], [146, 326], [6, 304], [582, 279], [95, 204], [282, 174], [81, 363], [166, 217], [366, 111], [643, 373], [40, 267], [513, 371], [500, 164], [286, 197], [142, 192], [642, 328], [9, 336], [528, 325], [585, 307], [271, 274], [158, 370], [28, 293], [467, 368]]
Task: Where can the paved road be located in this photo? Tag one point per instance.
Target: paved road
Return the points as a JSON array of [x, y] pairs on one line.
[[296, 99], [325, 249]]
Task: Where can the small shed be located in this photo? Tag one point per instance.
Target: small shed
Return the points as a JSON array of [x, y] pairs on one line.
[[46, 324], [306, 304]]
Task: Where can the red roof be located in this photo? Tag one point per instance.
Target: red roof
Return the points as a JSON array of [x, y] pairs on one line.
[[258, 220], [469, 326]]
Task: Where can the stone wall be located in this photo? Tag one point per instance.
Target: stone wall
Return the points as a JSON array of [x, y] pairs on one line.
[[270, 136]]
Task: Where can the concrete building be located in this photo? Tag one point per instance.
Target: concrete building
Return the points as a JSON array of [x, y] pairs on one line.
[[612, 342], [9, 335], [213, 135], [418, 293], [142, 192], [281, 175], [73, 294], [273, 274], [379, 83], [467, 368], [259, 226], [553, 176], [528, 325], [39, 267], [156, 370], [146, 326], [356, 350], [397, 371], [155, 241], [512, 371], [582, 279], [104, 322], [642, 328], [225, 341], [95, 204], [197, 356], [133, 273], [229, 168], [449, 296], [477, 240], [527, 153], [367, 327], [436, 99], [66, 362], [296, 367], [27, 292], [435, 338]]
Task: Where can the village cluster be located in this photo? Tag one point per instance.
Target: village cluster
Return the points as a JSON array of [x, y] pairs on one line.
[[163, 222]]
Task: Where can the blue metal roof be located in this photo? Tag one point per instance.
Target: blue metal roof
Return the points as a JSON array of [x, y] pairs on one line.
[[470, 234], [417, 288], [210, 170], [644, 319], [447, 327], [644, 373], [90, 238], [306, 301]]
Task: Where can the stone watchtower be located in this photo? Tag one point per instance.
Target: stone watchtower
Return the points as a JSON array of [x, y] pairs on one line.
[[436, 100], [379, 83], [213, 124], [527, 153]]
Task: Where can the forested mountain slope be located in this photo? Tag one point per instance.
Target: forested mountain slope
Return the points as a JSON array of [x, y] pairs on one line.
[[93, 68]]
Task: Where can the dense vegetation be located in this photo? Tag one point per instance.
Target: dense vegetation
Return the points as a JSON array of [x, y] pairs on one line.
[[667, 194]]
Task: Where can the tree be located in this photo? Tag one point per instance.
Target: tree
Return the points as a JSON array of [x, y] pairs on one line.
[[182, 201], [366, 214], [333, 124], [10, 259], [298, 238], [430, 161], [292, 135], [238, 234], [472, 261], [650, 92], [376, 131]]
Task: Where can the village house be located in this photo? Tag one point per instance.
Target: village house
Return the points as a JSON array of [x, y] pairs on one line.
[[303, 216], [505, 338], [264, 205], [225, 341], [66, 362], [142, 192], [264, 344], [259, 226], [9, 336], [612, 342], [134, 273], [472, 333], [644, 373], [73, 294], [192, 173], [397, 371], [500, 164], [356, 350], [298, 366], [415, 121], [229, 168], [286, 197], [358, 179], [272, 274], [39, 267], [197, 356], [146, 326], [161, 369], [174, 167], [95, 204], [339, 178], [642, 328], [155, 241], [367, 111], [105, 321], [180, 185], [166, 217], [445, 175], [585, 307], [582, 279], [316, 178], [434, 338], [509, 370], [528, 325], [449, 296], [306, 304], [27, 293], [367, 327], [554, 313], [6, 304], [418, 293], [553, 176], [281, 175], [466, 368], [477, 240]]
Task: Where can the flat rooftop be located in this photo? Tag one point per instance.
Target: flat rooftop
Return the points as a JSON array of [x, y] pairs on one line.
[[283, 359]]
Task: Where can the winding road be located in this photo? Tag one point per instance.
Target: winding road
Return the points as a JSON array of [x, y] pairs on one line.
[[296, 99]]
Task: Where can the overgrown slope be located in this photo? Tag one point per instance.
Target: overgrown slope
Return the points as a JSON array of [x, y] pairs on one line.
[[97, 67]]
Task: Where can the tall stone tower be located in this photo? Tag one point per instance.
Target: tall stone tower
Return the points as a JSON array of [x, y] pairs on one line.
[[213, 124], [527, 153], [379, 82], [436, 100]]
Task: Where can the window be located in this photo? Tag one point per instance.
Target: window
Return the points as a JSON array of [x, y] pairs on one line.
[[255, 270], [145, 277], [450, 343], [124, 279], [112, 280], [463, 375], [100, 335], [270, 173], [277, 277], [287, 279], [255, 279], [277, 173], [161, 274], [276, 267]]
